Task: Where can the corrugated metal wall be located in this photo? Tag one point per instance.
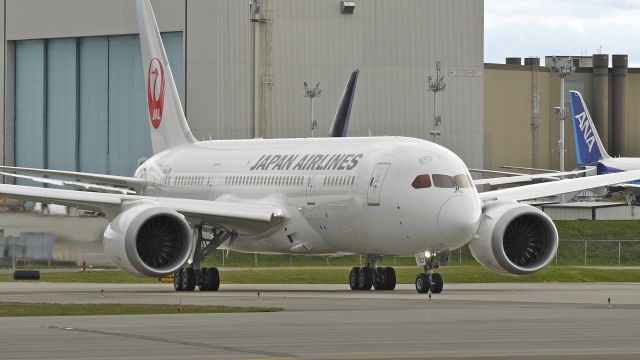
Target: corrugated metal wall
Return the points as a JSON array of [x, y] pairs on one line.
[[81, 102], [395, 45], [219, 69], [94, 112], [30, 103]]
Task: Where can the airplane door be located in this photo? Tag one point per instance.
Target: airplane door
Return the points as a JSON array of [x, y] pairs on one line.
[[211, 184], [311, 199], [375, 183]]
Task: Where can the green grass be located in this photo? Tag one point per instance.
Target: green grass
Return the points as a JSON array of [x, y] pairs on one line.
[[111, 276], [452, 274], [8, 309], [406, 275], [598, 230]]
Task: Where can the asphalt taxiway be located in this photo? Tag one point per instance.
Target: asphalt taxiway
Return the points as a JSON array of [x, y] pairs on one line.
[[488, 321]]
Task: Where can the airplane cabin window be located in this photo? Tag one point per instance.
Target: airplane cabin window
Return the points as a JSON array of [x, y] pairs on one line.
[[422, 181], [443, 181]]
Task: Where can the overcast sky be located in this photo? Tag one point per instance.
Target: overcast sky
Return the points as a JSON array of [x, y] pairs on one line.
[[523, 28]]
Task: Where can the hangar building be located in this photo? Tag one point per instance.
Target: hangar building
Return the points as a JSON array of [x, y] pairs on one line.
[[74, 95], [518, 93]]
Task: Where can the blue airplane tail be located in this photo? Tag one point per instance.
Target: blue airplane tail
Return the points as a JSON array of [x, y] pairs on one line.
[[589, 149]]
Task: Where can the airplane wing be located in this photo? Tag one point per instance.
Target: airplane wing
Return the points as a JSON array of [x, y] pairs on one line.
[[559, 187], [125, 181], [528, 168], [76, 184], [495, 172], [215, 211], [525, 178]]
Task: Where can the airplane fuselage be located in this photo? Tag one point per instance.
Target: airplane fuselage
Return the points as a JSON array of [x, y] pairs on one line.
[[348, 195]]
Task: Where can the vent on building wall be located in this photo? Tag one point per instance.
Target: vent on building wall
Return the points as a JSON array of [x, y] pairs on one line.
[[347, 7]]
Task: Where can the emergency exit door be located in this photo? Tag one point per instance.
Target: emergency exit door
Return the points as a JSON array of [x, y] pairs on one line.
[[375, 183]]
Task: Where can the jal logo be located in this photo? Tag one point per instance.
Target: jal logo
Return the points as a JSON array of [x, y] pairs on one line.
[[587, 133], [155, 91]]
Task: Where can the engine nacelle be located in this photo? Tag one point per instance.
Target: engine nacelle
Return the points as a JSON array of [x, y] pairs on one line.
[[514, 239], [149, 240]]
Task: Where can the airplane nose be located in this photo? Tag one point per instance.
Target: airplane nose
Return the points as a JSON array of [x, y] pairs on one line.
[[458, 219]]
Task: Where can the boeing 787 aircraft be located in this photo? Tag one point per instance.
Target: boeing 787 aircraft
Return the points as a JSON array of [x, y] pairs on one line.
[[376, 196]]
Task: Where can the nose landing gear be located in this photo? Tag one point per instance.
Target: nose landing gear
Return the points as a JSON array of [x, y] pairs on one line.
[[381, 278], [429, 280]]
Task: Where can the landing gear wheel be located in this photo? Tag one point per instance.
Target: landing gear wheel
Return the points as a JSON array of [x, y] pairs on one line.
[[422, 283], [436, 283], [214, 279], [390, 276], [380, 279], [203, 279], [177, 280], [188, 279], [365, 279], [353, 278]]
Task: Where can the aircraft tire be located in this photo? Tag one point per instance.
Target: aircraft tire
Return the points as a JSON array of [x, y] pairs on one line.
[[188, 279], [390, 276], [422, 283], [214, 279], [437, 283], [380, 279], [353, 278], [365, 279], [203, 279], [177, 280]]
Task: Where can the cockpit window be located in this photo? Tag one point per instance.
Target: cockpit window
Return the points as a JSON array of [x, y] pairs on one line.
[[443, 181], [462, 181], [421, 182]]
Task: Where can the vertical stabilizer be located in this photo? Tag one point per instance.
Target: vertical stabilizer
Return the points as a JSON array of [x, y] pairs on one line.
[[589, 149], [168, 124], [340, 123]]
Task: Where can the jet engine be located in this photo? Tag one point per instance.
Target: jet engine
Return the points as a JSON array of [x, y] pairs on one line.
[[149, 240], [514, 239]]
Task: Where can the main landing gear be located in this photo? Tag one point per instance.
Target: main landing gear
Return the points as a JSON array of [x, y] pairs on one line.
[[381, 278], [206, 279]]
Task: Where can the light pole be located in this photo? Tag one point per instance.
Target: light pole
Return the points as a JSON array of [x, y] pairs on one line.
[[561, 68], [311, 93], [436, 86]]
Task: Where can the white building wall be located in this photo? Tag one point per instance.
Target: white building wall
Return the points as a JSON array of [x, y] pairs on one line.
[[395, 44], [618, 213], [566, 213]]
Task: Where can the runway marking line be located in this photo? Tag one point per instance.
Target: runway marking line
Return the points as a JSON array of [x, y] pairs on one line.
[[178, 342]]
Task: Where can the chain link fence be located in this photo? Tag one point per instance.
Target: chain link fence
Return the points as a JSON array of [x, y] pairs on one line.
[[570, 252]]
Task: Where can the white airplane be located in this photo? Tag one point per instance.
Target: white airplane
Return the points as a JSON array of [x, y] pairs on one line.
[[377, 196]]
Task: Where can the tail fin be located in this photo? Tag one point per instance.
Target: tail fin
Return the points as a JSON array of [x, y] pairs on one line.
[[589, 149], [168, 124], [340, 123]]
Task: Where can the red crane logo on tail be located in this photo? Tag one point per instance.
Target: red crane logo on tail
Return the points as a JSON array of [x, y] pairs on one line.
[[155, 91]]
